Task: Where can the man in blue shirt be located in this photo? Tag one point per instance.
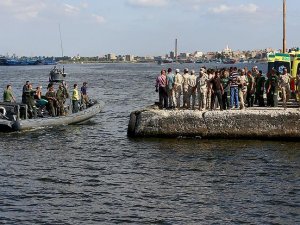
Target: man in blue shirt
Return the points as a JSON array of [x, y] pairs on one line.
[[84, 96], [170, 88]]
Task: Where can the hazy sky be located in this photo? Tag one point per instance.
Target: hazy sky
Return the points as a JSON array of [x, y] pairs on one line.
[[143, 27]]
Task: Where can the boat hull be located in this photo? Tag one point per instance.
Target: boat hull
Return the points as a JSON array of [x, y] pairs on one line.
[[76, 118]]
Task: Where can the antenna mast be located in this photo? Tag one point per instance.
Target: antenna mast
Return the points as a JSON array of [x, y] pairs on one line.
[[61, 44]]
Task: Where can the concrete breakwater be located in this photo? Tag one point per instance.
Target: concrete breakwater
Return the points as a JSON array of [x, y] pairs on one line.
[[257, 123]]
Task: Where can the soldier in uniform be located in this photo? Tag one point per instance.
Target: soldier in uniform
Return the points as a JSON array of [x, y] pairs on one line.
[[284, 83], [52, 101], [185, 84], [61, 97], [29, 98], [178, 87], [192, 89], [202, 81], [242, 81]]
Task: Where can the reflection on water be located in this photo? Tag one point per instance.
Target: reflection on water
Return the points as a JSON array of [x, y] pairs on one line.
[[94, 174]]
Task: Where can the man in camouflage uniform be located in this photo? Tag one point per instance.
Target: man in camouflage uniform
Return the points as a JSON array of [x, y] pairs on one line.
[[284, 84], [202, 81]]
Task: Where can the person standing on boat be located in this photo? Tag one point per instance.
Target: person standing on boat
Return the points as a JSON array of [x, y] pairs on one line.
[[29, 96], [161, 88], [178, 87], [84, 96], [8, 95], [75, 99], [170, 88], [25, 88], [52, 101], [60, 96]]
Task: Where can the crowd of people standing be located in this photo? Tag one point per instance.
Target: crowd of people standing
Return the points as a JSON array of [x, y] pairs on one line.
[[226, 88], [53, 101]]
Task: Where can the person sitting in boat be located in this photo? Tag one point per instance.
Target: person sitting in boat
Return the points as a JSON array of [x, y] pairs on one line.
[[84, 96], [61, 98], [52, 101], [75, 99], [29, 97], [40, 102], [8, 95]]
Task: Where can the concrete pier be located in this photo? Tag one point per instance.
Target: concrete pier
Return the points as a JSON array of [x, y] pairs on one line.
[[256, 123]]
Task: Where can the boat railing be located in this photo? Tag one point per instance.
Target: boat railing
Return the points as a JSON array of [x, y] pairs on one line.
[[14, 111]]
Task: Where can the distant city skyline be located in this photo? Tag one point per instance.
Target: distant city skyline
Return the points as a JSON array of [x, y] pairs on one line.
[[143, 27]]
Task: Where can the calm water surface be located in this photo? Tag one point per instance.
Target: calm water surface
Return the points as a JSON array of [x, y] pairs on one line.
[[95, 174]]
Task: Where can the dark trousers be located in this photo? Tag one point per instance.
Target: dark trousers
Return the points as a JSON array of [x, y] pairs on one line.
[[261, 101], [225, 100], [250, 99], [75, 108], [273, 97], [163, 97], [217, 93]]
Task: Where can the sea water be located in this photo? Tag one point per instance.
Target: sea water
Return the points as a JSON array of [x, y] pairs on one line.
[[95, 174]]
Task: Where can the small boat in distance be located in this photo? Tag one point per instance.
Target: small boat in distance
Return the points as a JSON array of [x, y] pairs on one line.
[[229, 61]]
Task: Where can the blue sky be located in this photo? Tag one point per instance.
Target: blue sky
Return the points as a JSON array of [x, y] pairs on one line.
[[143, 27]]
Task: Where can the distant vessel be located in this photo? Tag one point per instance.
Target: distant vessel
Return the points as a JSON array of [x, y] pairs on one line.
[[5, 61], [229, 61]]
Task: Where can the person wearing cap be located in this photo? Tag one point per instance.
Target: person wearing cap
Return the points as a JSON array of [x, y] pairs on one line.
[[284, 84], [171, 89], [192, 89], [178, 87], [161, 88], [185, 85], [84, 95], [202, 81]]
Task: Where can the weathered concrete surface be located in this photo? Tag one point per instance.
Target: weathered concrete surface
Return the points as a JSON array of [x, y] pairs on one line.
[[255, 123]]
